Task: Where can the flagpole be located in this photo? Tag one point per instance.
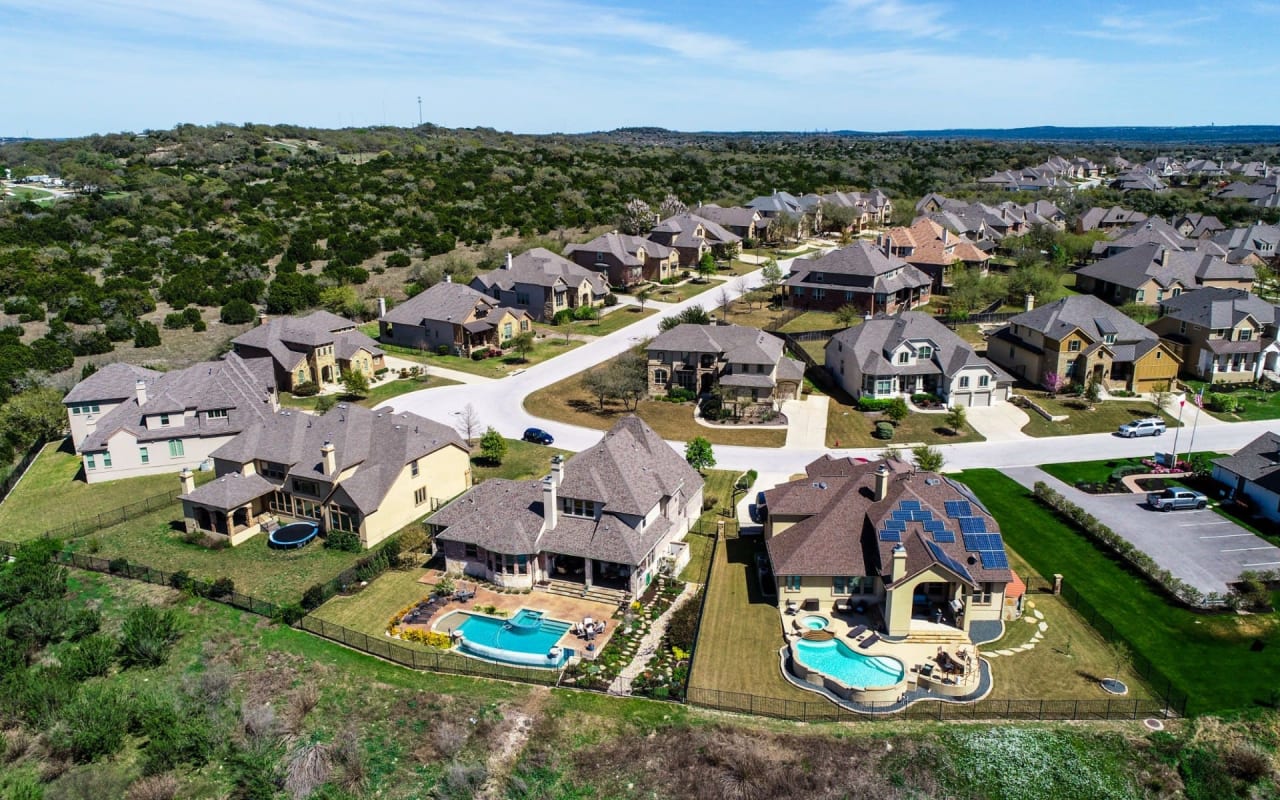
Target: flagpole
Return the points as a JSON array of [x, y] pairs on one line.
[[1182, 404], [1191, 448]]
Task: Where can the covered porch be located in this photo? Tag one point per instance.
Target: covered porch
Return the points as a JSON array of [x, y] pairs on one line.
[[233, 507]]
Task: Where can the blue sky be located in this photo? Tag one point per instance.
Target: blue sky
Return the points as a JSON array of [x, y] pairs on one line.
[[73, 67]]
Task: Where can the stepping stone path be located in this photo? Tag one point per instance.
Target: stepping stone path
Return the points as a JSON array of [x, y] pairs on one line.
[[1034, 618]]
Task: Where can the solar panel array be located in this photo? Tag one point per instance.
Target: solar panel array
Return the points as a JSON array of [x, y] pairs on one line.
[[891, 530], [890, 536], [958, 508], [994, 559], [972, 525], [947, 561]]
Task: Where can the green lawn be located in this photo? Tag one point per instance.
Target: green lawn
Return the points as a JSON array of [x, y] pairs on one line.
[[524, 460], [1103, 417], [30, 193], [849, 427], [1210, 657], [608, 323], [378, 394], [1073, 472], [370, 609], [1258, 405], [719, 489], [690, 288], [50, 495], [548, 345], [278, 576]]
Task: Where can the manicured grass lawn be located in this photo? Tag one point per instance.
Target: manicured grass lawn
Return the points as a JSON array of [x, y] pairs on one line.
[[849, 427], [379, 393], [690, 288], [1073, 472], [523, 461], [1258, 405], [50, 495], [369, 610], [548, 346], [741, 632], [1210, 657], [568, 402], [1103, 417], [30, 193], [754, 315], [719, 489], [608, 323], [278, 576]]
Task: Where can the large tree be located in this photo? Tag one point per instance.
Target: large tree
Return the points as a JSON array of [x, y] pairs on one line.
[[698, 452]]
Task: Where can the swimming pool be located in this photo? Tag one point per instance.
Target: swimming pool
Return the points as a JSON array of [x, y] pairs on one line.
[[525, 639], [853, 669]]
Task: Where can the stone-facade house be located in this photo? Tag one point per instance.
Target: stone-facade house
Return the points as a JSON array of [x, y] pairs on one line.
[[746, 223], [1108, 219], [1080, 338], [1150, 273], [626, 260], [917, 548], [366, 472], [912, 353], [934, 250], [805, 211], [128, 421], [454, 317], [610, 518], [692, 236], [543, 284], [1220, 335], [863, 275], [318, 348], [1253, 475], [746, 365]]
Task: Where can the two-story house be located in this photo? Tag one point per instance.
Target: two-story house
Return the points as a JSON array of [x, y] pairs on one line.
[[626, 260], [454, 317], [318, 348], [912, 353], [608, 518], [875, 204], [863, 275], [353, 469], [805, 211], [127, 421], [917, 548], [934, 250], [1108, 219], [747, 365], [1080, 338], [692, 236], [543, 284], [1150, 273], [1220, 335], [746, 223]]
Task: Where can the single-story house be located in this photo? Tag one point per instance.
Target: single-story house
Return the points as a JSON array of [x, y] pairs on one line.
[[1254, 473]]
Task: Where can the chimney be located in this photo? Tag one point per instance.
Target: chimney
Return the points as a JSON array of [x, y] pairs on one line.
[[188, 479], [262, 318], [1029, 302], [899, 569], [888, 245], [382, 306], [882, 482], [1164, 256], [140, 388], [945, 232], [448, 279], [557, 469], [508, 266], [328, 457], [550, 510]]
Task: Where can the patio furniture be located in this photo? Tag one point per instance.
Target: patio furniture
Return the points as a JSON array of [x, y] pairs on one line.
[[857, 631], [926, 669], [792, 608], [842, 607], [870, 640]]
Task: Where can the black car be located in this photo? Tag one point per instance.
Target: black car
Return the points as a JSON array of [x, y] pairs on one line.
[[537, 436]]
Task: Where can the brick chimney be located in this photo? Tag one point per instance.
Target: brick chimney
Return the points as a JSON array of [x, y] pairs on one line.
[[188, 479], [329, 458], [140, 389], [262, 318], [550, 503], [882, 482]]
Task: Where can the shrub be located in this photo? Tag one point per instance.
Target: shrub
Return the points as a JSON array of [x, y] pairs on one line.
[[443, 350], [747, 480], [153, 787], [181, 580], [884, 431], [147, 635], [313, 597], [610, 300], [679, 394], [174, 736], [874, 404], [585, 312], [682, 628], [91, 725], [146, 334], [897, 410], [237, 312], [289, 614], [306, 389], [221, 588], [345, 541], [175, 321], [91, 658]]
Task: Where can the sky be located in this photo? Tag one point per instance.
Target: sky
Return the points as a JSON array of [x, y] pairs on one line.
[[74, 67]]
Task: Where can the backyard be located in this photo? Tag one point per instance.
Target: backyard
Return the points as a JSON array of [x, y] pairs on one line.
[[1221, 661], [1103, 417]]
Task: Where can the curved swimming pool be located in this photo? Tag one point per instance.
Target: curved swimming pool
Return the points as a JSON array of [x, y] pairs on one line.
[[856, 670], [527, 639]]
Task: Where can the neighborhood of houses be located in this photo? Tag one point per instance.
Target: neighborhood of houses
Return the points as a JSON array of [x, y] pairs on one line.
[[888, 578]]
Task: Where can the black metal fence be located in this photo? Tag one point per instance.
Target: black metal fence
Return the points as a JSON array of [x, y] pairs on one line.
[[431, 660], [19, 469], [83, 527]]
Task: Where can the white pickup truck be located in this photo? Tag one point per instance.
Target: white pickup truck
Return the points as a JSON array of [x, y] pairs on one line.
[[1171, 499]]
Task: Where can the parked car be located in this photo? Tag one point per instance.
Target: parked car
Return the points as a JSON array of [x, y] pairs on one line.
[[537, 436], [761, 507], [1151, 426], [1175, 498]]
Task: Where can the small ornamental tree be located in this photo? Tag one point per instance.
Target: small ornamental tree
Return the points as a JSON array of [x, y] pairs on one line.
[[1053, 382], [897, 410], [926, 458], [848, 314], [771, 275], [493, 448], [523, 344], [355, 383], [1093, 390], [706, 265], [699, 454], [956, 418]]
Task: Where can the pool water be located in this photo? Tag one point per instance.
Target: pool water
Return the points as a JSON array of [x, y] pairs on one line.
[[813, 622], [524, 639], [848, 666]]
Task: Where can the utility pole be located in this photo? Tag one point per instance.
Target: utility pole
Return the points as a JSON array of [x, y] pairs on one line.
[[419, 111]]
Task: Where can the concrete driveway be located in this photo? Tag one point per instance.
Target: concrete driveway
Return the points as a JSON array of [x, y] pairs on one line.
[[1202, 548], [807, 422], [1001, 422]]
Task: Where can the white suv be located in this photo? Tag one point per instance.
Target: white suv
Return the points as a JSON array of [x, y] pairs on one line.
[[1151, 426]]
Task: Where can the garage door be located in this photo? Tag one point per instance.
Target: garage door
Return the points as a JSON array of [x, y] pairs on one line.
[[974, 399]]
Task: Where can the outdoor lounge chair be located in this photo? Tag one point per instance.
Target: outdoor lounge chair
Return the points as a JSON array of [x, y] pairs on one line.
[[857, 631], [870, 640]]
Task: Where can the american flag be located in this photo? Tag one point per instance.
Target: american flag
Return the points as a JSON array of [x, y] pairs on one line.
[[1200, 398]]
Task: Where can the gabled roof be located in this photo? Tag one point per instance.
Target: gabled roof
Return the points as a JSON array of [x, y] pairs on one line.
[[734, 216], [1257, 462], [540, 267], [1132, 268], [448, 302], [1257, 238], [1098, 217], [932, 243], [629, 470], [861, 265], [874, 341], [1086, 313], [115, 381], [683, 230], [738, 344], [623, 247], [1215, 307], [288, 340]]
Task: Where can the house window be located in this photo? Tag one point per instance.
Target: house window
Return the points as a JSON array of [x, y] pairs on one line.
[[964, 381], [793, 583], [1141, 295], [848, 296], [1177, 290], [884, 385], [144, 456], [270, 469], [106, 460], [420, 496], [1110, 338], [217, 413], [302, 376], [925, 351], [164, 420], [843, 585], [660, 377], [470, 551], [904, 357], [819, 293], [413, 468], [176, 449], [984, 595], [1182, 327], [578, 508], [984, 381], [343, 519], [816, 277], [1245, 334], [1073, 346], [506, 330], [306, 487]]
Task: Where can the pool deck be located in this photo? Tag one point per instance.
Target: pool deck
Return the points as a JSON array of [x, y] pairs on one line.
[[569, 609]]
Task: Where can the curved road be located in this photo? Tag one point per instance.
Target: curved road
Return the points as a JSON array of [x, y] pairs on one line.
[[499, 402]]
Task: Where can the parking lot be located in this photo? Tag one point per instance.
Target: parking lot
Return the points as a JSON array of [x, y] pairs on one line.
[[1202, 548]]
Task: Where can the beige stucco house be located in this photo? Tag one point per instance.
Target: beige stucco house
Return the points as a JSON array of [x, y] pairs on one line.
[[626, 260], [353, 469], [915, 549], [1221, 335], [1151, 273], [318, 348], [542, 283]]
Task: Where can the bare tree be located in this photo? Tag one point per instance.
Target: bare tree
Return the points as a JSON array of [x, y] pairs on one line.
[[468, 422], [726, 302]]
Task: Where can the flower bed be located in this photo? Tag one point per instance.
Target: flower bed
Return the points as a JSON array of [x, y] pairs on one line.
[[666, 675], [631, 627]]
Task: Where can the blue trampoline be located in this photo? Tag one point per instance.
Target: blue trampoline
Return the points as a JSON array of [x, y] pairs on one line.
[[293, 535]]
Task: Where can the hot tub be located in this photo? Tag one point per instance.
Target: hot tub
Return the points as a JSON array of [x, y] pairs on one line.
[[811, 622]]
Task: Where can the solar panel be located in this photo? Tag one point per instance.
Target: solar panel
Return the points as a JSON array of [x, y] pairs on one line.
[[972, 524], [958, 508], [934, 525], [924, 515], [909, 505], [944, 535], [890, 536], [947, 561], [994, 559], [975, 542], [895, 525], [904, 516]]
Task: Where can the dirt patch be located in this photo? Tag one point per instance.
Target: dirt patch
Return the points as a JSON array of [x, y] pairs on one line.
[[511, 738]]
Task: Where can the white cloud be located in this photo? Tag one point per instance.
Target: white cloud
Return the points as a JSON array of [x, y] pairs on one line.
[[900, 17]]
